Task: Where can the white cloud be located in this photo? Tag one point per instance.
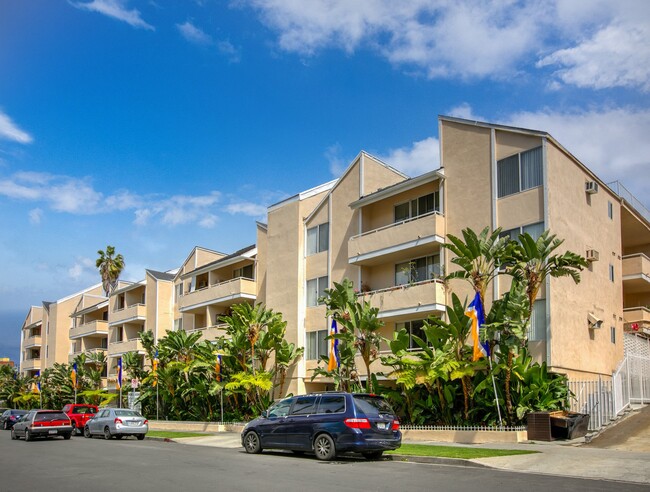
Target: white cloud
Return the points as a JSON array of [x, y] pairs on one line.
[[196, 35], [597, 43], [10, 131], [180, 210], [247, 208], [618, 55], [35, 216], [83, 267], [117, 10], [193, 34], [336, 162], [465, 111], [421, 157]]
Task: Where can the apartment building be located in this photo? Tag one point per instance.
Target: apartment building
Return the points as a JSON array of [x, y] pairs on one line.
[[56, 325], [135, 307], [384, 232], [208, 283]]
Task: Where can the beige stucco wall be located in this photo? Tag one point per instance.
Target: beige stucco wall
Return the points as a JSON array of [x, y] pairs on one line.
[[467, 187], [378, 176], [262, 264], [521, 209], [582, 221]]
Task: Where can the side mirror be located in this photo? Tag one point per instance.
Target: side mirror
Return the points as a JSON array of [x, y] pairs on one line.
[[265, 414]]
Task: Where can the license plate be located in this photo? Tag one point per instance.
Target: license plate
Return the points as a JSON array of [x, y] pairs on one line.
[[133, 423], [52, 432], [382, 425]]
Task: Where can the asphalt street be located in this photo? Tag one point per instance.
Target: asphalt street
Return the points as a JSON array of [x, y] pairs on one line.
[[99, 465]]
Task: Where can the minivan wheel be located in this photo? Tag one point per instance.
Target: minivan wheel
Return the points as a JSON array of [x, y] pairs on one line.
[[324, 448], [373, 455], [252, 443], [107, 433]]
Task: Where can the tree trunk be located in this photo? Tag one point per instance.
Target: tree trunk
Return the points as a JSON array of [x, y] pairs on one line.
[[507, 386], [464, 383]]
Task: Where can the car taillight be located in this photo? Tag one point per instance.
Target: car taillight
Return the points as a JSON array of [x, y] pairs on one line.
[[395, 425], [145, 421], [12, 417], [117, 421], [357, 423]]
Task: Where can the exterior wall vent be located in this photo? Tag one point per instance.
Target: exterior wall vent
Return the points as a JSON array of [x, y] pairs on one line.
[[591, 187], [592, 255], [593, 321]]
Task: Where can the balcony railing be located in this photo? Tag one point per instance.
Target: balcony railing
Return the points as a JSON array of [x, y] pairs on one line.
[[210, 332], [132, 312], [222, 293], [636, 265], [639, 315], [29, 364], [131, 345], [421, 298], [98, 327], [623, 192], [34, 341], [416, 232]]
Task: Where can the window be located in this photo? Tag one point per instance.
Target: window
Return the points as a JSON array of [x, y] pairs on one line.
[[318, 239], [118, 334], [537, 328], [417, 270], [612, 334], [413, 328], [610, 210], [281, 408], [331, 404], [611, 272], [419, 206], [316, 344], [178, 324], [243, 272], [316, 289], [47, 351], [304, 405], [535, 230], [519, 172]]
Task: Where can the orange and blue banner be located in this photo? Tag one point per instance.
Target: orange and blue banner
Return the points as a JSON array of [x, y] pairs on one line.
[[334, 360], [476, 313], [217, 367], [73, 375], [155, 369], [36, 388], [119, 374]]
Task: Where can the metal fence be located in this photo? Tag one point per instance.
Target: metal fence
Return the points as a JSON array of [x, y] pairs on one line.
[[603, 400]]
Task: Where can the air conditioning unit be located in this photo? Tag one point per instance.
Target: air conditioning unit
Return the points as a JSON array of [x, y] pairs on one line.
[[592, 255], [591, 187]]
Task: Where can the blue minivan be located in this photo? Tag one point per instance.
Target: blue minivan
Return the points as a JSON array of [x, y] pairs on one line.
[[326, 424]]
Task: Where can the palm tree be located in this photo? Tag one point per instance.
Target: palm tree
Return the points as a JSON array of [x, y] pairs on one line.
[[110, 267]]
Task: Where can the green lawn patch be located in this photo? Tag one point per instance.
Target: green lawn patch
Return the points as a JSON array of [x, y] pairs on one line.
[[174, 434], [455, 451]]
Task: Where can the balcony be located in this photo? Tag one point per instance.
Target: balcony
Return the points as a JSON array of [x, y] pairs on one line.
[[210, 332], [73, 355], [420, 299], [637, 319], [98, 327], [30, 364], [224, 293], [416, 236], [134, 312], [34, 341], [119, 348], [636, 273]]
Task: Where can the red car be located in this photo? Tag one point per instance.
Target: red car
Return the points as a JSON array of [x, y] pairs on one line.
[[79, 414]]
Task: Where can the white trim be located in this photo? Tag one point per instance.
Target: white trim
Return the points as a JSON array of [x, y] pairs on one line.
[[636, 276], [546, 226], [494, 192], [155, 334], [425, 308], [240, 295], [127, 320], [303, 195], [71, 296], [398, 188], [398, 247]]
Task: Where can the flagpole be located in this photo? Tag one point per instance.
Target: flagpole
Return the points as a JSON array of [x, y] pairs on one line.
[[496, 396], [157, 402]]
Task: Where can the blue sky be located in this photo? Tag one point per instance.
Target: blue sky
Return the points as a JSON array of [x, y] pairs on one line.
[[159, 125]]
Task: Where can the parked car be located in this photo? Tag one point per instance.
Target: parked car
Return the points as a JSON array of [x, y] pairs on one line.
[[79, 414], [42, 423], [327, 424], [118, 422], [10, 417]]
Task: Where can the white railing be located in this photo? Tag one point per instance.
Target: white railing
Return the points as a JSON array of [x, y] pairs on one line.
[[395, 224], [400, 287], [206, 287], [595, 398], [220, 326], [623, 192]]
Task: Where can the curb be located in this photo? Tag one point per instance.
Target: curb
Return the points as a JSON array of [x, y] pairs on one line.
[[433, 460]]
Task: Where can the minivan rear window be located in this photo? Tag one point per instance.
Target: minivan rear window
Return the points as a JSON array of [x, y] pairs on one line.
[[372, 406]]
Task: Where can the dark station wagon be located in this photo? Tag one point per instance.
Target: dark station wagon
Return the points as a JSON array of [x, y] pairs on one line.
[[326, 424]]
